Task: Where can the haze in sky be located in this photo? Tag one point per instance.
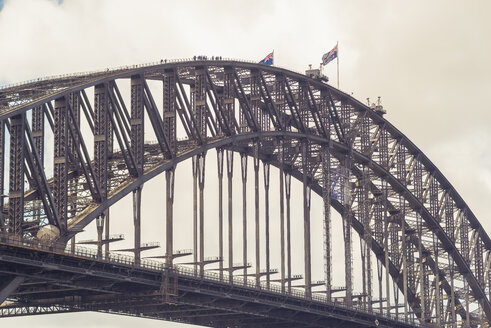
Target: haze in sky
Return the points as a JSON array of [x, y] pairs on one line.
[[428, 60]]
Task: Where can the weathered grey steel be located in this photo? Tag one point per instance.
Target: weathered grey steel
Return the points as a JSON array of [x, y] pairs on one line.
[[137, 196], [195, 212], [256, 215], [220, 209], [288, 192], [243, 170], [306, 221], [326, 197], [282, 214], [201, 184], [230, 172], [16, 174], [169, 210], [266, 222], [419, 221], [60, 185]]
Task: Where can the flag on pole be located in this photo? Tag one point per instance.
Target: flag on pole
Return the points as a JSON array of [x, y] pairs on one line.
[[330, 55], [268, 60]]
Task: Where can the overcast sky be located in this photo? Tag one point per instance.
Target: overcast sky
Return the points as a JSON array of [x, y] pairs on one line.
[[428, 60]]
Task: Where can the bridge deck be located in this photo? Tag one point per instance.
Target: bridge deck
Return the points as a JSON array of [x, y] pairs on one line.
[[59, 280]]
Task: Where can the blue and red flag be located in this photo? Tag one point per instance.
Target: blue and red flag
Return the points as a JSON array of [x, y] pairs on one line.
[[268, 60], [330, 55]]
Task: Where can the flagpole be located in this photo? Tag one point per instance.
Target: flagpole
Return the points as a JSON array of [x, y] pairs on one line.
[[337, 60]]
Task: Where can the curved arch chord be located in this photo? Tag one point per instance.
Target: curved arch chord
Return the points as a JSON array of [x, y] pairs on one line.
[[94, 210]]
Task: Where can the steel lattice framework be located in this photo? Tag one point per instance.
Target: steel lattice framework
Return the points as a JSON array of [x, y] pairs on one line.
[[430, 255]]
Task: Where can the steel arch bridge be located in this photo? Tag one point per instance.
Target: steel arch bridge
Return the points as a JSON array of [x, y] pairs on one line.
[[424, 257]]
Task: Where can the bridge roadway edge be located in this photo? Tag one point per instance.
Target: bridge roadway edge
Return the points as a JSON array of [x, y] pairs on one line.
[[28, 262]]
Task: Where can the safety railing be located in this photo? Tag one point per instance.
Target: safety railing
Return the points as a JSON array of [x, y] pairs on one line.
[[128, 67]]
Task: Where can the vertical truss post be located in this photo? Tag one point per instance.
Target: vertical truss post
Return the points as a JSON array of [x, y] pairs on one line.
[[256, 213], [220, 210], [195, 213], [137, 223], [137, 121], [255, 96], [281, 155], [266, 220], [137, 148], [60, 167], [397, 221], [106, 233], [434, 210], [465, 251], [99, 221], [382, 221], [418, 191], [16, 174], [379, 238], [230, 173], [386, 246], [169, 119], [326, 198], [73, 147], [288, 180], [346, 200], [201, 183], [3, 226], [228, 97], [243, 166], [101, 147], [199, 103], [364, 216], [450, 227], [38, 138], [306, 219], [169, 229], [73, 142], [109, 154]]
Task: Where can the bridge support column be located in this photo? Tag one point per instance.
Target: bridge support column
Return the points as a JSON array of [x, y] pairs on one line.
[[73, 101], [195, 213], [281, 156], [230, 172], [201, 182], [37, 124], [347, 218], [16, 174], [288, 181], [137, 147], [60, 167], [169, 226], [306, 220], [256, 212], [137, 223], [266, 221], [326, 197], [243, 166], [101, 151], [220, 210], [100, 229]]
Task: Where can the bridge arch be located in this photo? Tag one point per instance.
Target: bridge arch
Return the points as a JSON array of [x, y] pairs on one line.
[[273, 103]]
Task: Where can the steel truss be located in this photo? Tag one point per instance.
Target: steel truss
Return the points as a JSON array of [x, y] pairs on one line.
[[431, 254]]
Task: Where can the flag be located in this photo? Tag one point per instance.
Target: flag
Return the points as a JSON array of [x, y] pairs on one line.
[[330, 55], [268, 60]]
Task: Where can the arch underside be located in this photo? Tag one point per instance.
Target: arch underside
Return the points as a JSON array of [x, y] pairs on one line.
[[440, 234]]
